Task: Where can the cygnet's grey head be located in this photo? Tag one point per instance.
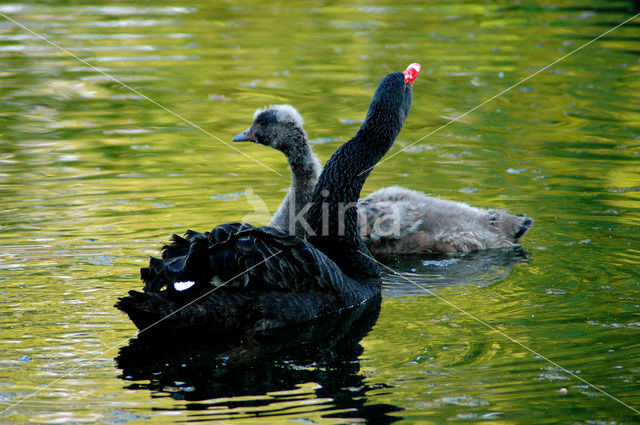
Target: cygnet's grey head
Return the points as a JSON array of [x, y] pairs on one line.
[[278, 126]]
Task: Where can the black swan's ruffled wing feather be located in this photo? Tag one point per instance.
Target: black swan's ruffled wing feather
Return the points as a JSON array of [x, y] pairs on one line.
[[262, 279], [246, 280], [238, 254]]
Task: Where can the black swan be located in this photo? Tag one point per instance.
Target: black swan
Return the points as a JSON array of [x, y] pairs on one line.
[[392, 220], [239, 279]]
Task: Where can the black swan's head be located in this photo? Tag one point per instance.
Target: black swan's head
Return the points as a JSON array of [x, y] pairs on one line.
[[278, 126], [392, 100]]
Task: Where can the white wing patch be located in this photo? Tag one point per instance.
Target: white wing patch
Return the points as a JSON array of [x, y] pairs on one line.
[[181, 286]]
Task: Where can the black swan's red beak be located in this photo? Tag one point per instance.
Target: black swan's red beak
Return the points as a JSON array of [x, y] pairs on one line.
[[411, 73]]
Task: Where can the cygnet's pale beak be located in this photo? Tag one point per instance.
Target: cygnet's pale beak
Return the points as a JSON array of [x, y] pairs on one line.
[[245, 136]]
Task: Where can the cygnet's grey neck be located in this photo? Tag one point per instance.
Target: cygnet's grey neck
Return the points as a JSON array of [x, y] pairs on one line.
[[305, 170]]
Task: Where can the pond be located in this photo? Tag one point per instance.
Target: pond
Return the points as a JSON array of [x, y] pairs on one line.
[[95, 176]]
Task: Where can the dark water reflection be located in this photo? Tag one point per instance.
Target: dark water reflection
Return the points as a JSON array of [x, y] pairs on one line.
[[407, 276], [221, 374]]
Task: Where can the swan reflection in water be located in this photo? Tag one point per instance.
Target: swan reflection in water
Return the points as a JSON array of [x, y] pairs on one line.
[[220, 375], [268, 374], [408, 275]]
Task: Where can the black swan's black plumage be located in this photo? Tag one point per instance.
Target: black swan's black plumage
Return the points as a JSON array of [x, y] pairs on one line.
[[268, 279]]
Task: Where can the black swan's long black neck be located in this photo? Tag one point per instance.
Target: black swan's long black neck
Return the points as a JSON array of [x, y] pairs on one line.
[[344, 176], [333, 214]]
